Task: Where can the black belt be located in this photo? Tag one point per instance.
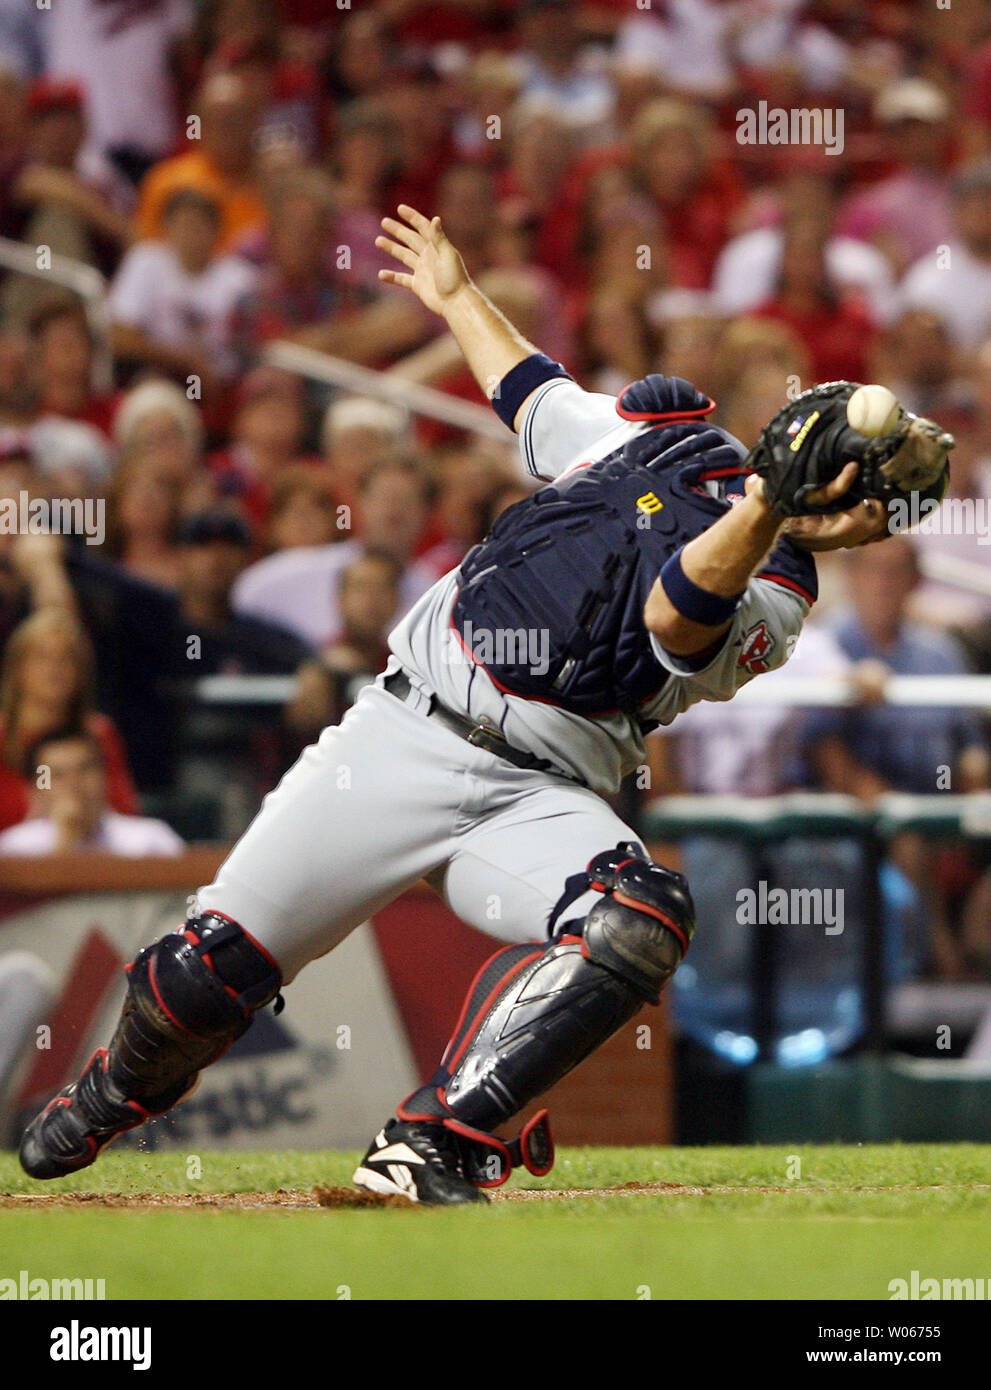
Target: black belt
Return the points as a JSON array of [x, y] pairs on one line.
[[478, 735]]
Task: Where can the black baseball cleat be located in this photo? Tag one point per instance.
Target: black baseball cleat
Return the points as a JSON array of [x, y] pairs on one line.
[[77, 1125], [420, 1161]]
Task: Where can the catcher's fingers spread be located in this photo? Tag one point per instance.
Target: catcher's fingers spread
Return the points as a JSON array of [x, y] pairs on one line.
[[402, 233], [401, 253], [396, 277], [836, 487], [427, 229]]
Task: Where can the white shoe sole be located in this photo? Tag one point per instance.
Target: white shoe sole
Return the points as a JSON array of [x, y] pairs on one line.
[[373, 1181]]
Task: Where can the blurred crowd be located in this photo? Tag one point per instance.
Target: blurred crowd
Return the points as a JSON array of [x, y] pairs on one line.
[[224, 165]]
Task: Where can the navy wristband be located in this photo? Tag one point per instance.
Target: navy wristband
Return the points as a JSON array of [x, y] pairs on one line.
[[695, 604], [517, 384]]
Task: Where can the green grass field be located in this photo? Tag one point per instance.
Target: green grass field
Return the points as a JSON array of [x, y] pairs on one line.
[[734, 1223]]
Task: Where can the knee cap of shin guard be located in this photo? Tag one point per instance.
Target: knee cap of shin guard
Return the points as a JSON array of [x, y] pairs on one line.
[[643, 925], [205, 980]]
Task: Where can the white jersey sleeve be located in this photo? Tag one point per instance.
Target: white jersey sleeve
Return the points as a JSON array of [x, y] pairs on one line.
[[761, 638], [135, 288], [564, 425]]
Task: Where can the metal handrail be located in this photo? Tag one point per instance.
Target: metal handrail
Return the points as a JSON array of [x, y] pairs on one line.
[[421, 400], [963, 692]]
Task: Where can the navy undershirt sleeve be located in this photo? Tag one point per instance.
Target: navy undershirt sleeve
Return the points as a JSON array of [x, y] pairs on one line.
[[517, 384]]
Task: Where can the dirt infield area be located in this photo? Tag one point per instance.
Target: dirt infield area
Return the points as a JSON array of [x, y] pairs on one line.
[[299, 1199], [342, 1198]]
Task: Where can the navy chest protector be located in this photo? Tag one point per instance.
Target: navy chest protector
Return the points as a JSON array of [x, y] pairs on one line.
[[551, 602]]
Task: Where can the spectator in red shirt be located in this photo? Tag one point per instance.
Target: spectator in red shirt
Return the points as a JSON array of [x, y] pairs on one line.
[[266, 437], [359, 60], [671, 154], [61, 363], [248, 37], [307, 295], [364, 162], [977, 102], [538, 197], [466, 199], [47, 682], [424, 145], [489, 88], [835, 328], [69, 809]]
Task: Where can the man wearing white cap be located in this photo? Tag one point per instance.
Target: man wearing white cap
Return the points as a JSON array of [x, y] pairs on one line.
[[908, 213]]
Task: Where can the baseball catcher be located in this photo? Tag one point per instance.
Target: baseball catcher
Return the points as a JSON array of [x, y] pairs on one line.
[[660, 564]]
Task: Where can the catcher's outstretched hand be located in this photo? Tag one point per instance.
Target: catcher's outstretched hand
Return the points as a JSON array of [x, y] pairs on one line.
[[435, 271], [835, 530], [837, 487]]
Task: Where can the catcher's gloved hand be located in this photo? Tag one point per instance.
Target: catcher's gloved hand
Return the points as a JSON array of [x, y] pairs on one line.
[[810, 440]]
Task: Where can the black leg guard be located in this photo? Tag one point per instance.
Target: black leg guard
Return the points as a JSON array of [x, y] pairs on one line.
[[534, 1012], [189, 997]]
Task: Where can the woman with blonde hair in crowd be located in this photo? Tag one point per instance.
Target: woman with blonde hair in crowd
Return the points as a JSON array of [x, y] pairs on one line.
[[673, 160], [46, 683], [747, 343]]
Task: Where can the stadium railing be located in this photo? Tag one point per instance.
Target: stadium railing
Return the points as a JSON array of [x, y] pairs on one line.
[[763, 822], [386, 387], [962, 692]]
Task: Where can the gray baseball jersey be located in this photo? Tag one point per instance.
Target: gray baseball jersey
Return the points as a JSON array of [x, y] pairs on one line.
[[564, 427], [390, 796]]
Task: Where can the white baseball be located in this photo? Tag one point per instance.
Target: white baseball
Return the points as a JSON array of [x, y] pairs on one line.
[[872, 410]]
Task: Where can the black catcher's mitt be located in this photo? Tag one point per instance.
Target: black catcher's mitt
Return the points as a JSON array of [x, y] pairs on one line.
[[808, 442]]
